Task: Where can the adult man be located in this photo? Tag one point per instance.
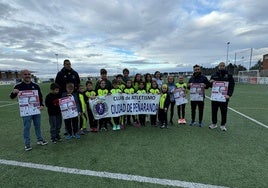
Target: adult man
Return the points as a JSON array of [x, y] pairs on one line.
[[198, 78], [27, 84], [67, 75], [221, 75]]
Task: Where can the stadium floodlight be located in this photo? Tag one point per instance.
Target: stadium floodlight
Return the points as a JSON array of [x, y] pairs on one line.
[[228, 44], [57, 62]]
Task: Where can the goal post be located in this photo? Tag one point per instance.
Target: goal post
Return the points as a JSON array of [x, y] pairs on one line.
[[250, 76]]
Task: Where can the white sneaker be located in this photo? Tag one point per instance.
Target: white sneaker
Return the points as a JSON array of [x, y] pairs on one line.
[[213, 126], [223, 128]]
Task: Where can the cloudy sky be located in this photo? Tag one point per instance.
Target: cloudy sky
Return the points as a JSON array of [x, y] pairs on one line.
[[142, 35]]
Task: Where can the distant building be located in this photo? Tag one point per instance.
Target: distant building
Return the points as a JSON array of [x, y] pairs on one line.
[[9, 75], [265, 62]]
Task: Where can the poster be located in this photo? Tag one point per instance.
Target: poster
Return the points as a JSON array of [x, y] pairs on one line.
[[180, 96], [219, 90], [29, 102], [196, 92], [68, 107]]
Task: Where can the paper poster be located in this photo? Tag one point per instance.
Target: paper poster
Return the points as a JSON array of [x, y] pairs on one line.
[[180, 96], [68, 107], [196, 92], [219, 90], [29, 102]]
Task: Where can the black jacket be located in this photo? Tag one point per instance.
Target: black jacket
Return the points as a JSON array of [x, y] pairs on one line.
[[65, 76], [223, 75]]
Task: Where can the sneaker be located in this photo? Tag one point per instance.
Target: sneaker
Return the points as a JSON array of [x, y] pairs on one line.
[[213, 126], [180, 121], [183, 121], [114, 127], [42, 142], [136, 124], [118, 127], [68, 137], [192, 123], [28, 148], [103, 129], [223, 128], [77, 136], [58, 139], [53, 141], [163, 126], [81, 132], [200, 124]]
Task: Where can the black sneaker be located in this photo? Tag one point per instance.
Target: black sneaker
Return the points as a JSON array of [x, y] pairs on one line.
[[42, 142], [53, 141], [28, 148]]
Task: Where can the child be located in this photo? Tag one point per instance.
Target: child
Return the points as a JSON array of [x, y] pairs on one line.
[[102, 91], [129, 90], [83, 116], [121, 84], [116, 90], [89, 95], [171, 88], [71, 124], [163, 106], [141, 90], [136, 82], [148, 82], [181, 108], [154, 90], [54, 112]]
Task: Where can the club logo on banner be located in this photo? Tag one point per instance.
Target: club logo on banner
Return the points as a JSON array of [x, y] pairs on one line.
[[100, 108], [124, 104]]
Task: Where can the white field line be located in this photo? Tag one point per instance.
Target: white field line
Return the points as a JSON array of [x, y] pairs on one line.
[[251, 119], [118, 176], [1, 106]]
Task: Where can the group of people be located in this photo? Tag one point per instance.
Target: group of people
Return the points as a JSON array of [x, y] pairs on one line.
[[67, 83]]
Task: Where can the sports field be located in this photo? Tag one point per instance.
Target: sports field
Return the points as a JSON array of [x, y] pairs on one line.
[[181, 156]]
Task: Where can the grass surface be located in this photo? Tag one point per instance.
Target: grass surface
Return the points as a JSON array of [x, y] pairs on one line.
[[236, 158]]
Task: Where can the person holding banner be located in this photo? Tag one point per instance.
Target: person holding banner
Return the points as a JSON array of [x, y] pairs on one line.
[[103, 91], [154, 90], [221, 77], [141, 90], [116, 90], [30, 87], [171, 88], [129, 89], [181, 85], [90, 94], [73, 112], [197, 85]]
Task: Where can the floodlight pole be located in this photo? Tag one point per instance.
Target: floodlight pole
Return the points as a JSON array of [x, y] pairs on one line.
[[228, 44], [250, 59], [57, 62]]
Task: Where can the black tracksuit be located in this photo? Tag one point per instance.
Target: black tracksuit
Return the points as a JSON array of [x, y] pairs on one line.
[[222, 75]]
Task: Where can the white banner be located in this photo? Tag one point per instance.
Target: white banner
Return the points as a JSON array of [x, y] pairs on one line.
[[219, 90], [68, 107], [29, 102], [124, 104], [196, 92]]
